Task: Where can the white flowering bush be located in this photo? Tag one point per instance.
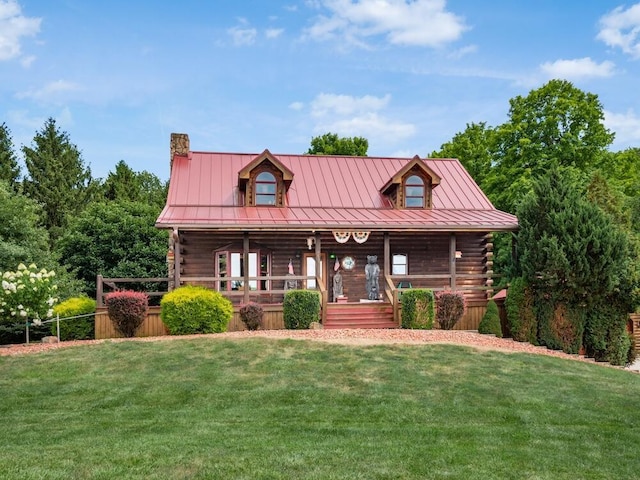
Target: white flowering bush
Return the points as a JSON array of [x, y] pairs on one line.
[[27, 295]]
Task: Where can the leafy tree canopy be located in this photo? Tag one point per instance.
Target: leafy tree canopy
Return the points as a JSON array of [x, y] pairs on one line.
[[556, 123], [114, 239], [58, 179], [9, 169], [332, 144], [473, 147], [22, 240]]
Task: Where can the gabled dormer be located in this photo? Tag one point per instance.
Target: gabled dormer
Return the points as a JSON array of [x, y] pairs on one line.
[[412, 185], [264, 181]]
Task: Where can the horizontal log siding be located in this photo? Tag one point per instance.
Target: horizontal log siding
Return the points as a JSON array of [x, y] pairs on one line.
[[473, 260], [151, 327]]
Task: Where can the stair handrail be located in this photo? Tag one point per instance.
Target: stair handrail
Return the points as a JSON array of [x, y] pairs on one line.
[[391, 292]]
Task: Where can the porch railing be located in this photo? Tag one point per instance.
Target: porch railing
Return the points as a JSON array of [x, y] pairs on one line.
[[113, 283]]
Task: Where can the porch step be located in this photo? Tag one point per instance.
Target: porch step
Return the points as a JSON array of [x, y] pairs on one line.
[[359, 315]]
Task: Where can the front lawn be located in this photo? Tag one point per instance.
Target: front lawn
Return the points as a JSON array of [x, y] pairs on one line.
[[286, 409]]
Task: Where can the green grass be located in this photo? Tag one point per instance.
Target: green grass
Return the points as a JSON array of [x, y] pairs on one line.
[[280, 409]]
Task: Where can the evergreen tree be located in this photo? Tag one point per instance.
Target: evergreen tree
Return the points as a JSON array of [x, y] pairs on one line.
[[575, 258], [58, 179], [124, 184], [9, 169]]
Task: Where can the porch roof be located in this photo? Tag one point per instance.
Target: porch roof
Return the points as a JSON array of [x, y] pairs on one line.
[[389, 219], [328, 192]]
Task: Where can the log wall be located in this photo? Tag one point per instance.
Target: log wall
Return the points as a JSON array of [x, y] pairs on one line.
[[427, 254]]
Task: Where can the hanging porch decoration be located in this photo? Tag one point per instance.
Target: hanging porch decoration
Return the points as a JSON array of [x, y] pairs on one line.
[[341, 237], [361, 237]]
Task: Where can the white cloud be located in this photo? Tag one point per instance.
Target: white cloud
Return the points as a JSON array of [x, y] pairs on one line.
[[297, 106], [27, 61], [242, 36], [461, 52], [625, 125], [273, 32], [371, 126], [404, 22], [13, 26], [358, 116], [52, 92], [326, 103], [577, 68], [621, 28]]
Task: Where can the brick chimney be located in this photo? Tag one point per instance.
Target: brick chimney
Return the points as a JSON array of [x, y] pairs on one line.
[[179, 146]]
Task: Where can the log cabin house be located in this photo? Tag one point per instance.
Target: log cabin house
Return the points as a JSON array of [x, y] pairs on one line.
[[252, 224]]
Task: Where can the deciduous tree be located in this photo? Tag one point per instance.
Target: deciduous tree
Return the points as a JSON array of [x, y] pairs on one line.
[[22, 239], [114, 239], [332, 144], [473, 147], [556, 123]]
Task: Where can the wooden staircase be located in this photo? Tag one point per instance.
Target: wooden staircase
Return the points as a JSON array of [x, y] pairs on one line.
[[359, 315]]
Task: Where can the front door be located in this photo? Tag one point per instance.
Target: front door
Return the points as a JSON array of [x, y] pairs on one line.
[[309, 267]]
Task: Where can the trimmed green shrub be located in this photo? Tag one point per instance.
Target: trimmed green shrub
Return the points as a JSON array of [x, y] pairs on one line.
[[195, 309], [77, 328], [450, 307], [605, 323], [127, 310], [631, 353], [418, 309], [251, 315], [300, 309], [520, 314], [490, 323], [560, 325], [618, 349]]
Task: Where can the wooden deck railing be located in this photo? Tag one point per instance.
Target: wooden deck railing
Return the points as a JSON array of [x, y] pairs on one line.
[[113, 283]]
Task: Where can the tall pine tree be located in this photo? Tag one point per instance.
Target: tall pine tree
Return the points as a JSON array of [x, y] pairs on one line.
[[58, 179], [9, 169]]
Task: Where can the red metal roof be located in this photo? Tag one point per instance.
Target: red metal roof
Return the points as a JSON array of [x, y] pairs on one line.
[[330, 192]]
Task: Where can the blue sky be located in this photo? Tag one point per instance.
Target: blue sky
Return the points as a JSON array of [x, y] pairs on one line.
[[245, 75]]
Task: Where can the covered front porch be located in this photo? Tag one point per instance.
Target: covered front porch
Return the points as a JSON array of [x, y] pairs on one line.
[[261, 266]]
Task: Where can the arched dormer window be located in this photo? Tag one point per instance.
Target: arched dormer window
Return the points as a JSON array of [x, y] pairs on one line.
[[414, 192], [266, 189]]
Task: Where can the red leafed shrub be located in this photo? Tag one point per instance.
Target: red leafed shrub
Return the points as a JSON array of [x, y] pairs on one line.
[[449, 309], [127, 310], [251, 315]]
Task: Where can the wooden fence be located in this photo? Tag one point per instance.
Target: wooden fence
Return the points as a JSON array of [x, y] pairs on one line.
[[153, 326], [634, 326], [272, 320]]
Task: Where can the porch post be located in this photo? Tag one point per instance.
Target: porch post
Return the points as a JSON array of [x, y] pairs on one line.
[[176, 258], [452, 260], [387, 255], [319, 271], [245, 257], [320, 275]]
